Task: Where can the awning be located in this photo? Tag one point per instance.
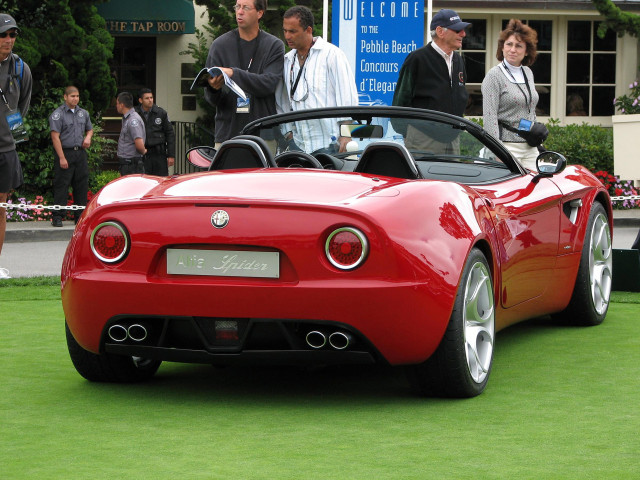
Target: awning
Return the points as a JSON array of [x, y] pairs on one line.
[[148, 17]]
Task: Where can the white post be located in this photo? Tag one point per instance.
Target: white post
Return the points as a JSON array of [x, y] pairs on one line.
[[325, 19]]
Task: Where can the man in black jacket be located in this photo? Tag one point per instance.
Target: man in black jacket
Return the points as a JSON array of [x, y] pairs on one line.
[[434, 77], [161, 139], [254, 60]]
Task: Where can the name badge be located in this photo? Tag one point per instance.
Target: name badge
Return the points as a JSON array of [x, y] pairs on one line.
[[525, 125], [16, 125], [243, 106]]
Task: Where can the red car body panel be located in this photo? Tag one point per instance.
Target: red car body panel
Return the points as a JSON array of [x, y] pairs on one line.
[[400, 299]]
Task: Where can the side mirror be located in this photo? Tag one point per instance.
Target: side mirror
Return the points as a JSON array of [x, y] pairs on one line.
[[548, 164], [201, 157]]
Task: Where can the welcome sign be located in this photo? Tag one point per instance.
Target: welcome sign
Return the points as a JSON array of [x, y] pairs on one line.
[[376, 36]]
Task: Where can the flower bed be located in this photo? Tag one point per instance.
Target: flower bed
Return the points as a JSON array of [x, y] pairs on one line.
[[619, 188]]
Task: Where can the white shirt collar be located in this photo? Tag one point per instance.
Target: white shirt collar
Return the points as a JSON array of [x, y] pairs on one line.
[[447, 58], [514, 74]]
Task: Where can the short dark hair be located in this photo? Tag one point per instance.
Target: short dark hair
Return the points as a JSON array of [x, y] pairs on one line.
[[126, 99], [143, 91], [305, 16], [524, 33], [71, 89], [260, 5]]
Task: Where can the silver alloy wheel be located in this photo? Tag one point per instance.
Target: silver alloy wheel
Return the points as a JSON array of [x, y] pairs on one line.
[[479, 322], [600, 261]]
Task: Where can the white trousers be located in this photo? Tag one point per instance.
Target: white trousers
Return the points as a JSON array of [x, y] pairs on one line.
[[524, 153]]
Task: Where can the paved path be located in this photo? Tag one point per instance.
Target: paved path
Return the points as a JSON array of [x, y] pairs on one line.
[[37, 248]]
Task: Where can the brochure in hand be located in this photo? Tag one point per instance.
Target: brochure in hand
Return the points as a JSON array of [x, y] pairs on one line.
[[215, 71]]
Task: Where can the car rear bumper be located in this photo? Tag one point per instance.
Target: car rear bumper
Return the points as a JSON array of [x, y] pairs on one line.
[[397, 323]]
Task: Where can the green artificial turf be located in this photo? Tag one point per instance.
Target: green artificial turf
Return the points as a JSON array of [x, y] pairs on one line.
[[562, 403]]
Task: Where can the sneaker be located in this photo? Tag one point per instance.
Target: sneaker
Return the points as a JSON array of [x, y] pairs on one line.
[[4, 274], [56, 222]]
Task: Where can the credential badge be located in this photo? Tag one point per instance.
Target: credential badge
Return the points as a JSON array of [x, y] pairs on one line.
[[220, 219]]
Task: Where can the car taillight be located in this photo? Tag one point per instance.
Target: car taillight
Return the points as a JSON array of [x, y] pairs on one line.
[[346, 248], [109, 242]]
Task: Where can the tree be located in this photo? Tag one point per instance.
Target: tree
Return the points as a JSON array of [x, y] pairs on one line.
[[64, 42], [617, 20]]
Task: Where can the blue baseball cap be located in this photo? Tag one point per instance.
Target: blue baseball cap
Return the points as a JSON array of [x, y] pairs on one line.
[[448, 19]]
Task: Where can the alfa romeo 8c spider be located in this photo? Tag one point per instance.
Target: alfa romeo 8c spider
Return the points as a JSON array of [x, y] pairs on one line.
[[351, 235]]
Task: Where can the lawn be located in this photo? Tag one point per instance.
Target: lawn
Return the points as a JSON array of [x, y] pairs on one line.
[[561, 403]]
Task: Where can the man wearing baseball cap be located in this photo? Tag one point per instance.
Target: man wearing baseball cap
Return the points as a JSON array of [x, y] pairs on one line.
[[15, 96], [434, 77]]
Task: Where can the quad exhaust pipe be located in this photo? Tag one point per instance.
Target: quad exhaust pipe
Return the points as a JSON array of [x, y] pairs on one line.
[[316, 339], [119, 333], [337, 340]]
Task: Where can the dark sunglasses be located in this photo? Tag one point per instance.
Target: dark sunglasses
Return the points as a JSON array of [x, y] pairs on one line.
[[11, 34]]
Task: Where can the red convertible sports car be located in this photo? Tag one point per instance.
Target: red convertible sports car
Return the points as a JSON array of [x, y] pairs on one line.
[[354, 235]]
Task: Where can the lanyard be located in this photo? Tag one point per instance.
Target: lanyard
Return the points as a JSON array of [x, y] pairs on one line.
[[291, 83], [293, 61], [526, 82], [241, 50], [4, 99]]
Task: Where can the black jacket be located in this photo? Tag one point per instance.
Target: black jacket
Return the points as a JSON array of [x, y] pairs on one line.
[[160, 134], [424, 82]]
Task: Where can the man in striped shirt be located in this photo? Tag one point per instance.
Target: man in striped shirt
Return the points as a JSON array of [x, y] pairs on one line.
[[316, 74]]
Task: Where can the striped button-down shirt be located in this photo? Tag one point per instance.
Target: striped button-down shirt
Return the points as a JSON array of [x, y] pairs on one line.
[[327, 80]]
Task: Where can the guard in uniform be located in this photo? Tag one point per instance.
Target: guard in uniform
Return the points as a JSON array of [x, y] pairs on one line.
[[71, 132], [131, 149], [161, 139]]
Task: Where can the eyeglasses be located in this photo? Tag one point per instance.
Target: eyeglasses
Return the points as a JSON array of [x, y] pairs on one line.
[[11, 34], [245, 8]]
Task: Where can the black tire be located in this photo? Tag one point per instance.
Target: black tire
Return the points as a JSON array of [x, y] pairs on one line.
[[590, 298], [107, 367], [460, 366]]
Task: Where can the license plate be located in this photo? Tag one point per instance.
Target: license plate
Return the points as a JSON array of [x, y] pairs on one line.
[[223, 263]]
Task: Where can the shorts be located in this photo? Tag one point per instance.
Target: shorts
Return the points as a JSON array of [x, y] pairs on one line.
[[10, 171]]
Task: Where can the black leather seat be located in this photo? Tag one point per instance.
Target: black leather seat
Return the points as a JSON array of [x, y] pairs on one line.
[[268, 153], [388, 159], [240, 153]]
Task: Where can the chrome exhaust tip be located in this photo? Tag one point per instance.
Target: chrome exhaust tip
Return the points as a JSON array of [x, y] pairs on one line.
[[316, 339], [339, 340], [117, 333], [137, 332]]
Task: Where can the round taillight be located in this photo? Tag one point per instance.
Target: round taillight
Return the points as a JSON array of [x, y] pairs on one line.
[[346, 248], [109, 242]]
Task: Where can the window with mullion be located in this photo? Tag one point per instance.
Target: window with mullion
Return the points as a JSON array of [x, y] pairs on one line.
[[591, 67]]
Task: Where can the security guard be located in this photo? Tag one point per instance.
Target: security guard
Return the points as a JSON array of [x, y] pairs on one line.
[[161, 139], [71, 132], [131, 149]]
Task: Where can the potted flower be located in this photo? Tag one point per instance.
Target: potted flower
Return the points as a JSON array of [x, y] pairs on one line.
[[626, 129]]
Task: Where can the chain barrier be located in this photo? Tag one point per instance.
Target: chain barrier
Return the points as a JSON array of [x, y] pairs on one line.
[[621, 199], [24, 206]]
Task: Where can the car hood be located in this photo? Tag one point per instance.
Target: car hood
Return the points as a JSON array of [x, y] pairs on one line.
[[281, 185]]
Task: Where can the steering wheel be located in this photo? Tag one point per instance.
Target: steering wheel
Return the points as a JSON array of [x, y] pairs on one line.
[[297, 160], [329, 162]]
